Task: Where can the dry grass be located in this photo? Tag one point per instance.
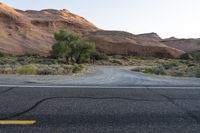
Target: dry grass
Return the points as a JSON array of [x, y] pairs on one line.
[[171, 67], [35, 65]]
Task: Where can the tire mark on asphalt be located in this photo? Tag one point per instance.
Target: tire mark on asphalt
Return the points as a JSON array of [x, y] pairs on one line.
[[7, 90], [87, 98], [171, 100]]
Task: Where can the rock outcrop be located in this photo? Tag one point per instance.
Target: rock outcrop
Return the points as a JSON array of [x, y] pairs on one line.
[[118, 42], [186, 45], [31, 32]]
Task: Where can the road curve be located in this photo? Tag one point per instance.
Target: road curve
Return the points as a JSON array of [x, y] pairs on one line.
[[108, 100], [102, 75]]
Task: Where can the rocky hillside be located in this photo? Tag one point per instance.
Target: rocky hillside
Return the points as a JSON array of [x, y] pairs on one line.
[[187, 45], [31, 32], [118, 42]]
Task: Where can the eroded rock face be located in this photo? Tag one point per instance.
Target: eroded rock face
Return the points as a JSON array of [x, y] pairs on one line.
[[31, 32], [186, 45], [117, 42], [150, 36]]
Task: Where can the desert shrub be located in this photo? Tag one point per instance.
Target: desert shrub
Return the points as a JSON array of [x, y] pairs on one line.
[[160, 70], [8, 60], [1, 54], [191, 64], [117, 56], [196, 55], [147, 70], [6, 69], [169, 65], [198, 42], [55, 69], [44, 71], [136, 69], [24, 60], [48, 61], [177, 73], [77, 68], [67, 69], [186, 56], [81, 66], [145, 58], [99, 56], [116, 61], [27, 69], [197, 72]]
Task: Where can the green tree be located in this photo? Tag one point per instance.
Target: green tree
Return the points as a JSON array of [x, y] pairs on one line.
[[66, 36], [71, 48], [60, 50], [82, 51], [65, 39]]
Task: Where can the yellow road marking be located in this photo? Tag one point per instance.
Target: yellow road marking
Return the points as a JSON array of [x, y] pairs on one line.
[[17, 122]]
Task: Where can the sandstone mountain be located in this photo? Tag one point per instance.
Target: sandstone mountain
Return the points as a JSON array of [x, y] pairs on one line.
[[150, 36], [31, 32], [187, 45], [118, 42]]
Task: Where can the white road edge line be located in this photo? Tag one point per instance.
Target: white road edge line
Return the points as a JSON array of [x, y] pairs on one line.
[[98, 86]]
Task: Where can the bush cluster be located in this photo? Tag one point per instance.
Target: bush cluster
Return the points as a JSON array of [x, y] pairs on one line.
[[27, 69], [160, 70], [1, 54], [78, 68], [99, 56], [71, 48], [40, 69], [197, 72], [196, 55], [169, 65]]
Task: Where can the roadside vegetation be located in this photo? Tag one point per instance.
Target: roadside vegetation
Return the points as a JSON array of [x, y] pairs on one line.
[[172, 67], [70, 54], [35, 65], [58, 66], [71, 48], [157, 66], [196, 55]]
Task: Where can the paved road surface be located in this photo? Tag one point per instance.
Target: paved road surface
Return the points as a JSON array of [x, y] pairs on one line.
[[108, 76], [101, 108]]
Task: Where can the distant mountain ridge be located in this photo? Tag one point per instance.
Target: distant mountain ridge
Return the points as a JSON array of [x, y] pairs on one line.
[[31, 32], [186, 45]]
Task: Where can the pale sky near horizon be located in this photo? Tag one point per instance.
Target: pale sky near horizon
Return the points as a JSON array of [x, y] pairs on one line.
[[179, 18]]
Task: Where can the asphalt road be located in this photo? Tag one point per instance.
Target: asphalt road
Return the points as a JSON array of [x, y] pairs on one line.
[[101, 110], [109, 108]]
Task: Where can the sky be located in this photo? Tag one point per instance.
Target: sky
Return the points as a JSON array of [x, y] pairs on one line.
[[179, 18]]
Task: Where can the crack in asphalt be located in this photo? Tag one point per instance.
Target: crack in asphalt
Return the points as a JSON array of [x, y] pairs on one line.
[[88, 98], [171, 100], [7, 90]]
